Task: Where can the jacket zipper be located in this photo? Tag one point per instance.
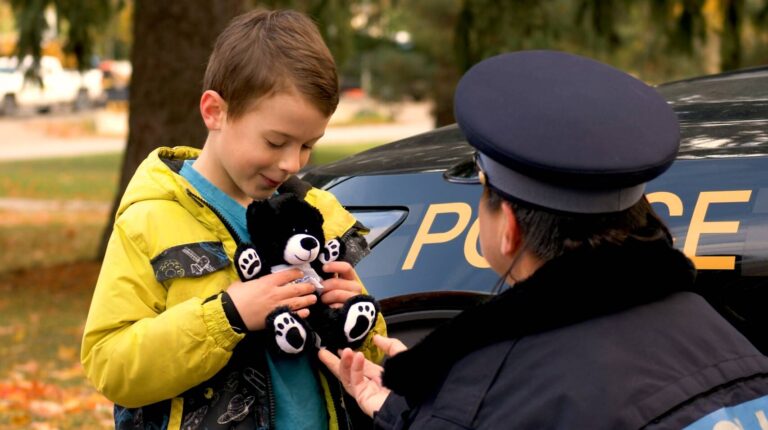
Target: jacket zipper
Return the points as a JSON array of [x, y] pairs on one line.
[[271, 396], [223, 220], [238, 241]]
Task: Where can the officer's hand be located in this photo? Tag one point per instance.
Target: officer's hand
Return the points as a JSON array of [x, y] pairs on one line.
[[389, 345], [360, 378], [255, 299]]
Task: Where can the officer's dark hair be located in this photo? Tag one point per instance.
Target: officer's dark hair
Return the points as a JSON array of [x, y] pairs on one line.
[[548, 234]]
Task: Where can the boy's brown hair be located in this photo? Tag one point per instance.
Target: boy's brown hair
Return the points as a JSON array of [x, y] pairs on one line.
[[262, 52]]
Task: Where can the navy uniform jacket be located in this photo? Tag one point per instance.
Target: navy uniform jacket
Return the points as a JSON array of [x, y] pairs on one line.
[[605, 339]]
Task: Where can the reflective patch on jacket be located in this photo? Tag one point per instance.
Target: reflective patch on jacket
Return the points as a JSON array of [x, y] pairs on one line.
[[190, 260], [745, 416]]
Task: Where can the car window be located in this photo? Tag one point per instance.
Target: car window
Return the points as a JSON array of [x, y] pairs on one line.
[[379, 222]]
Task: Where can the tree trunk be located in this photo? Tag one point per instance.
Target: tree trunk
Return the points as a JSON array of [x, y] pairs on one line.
[[172, 42]]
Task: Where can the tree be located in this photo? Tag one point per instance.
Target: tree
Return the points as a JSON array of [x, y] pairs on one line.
[[172, 42]]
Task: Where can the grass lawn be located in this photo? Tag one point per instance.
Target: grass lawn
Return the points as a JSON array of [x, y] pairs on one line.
[[78, 178], [95, 177]]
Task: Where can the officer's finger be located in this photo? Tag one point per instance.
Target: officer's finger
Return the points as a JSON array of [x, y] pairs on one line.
[[330, 360], [389, 345], [371, 370]]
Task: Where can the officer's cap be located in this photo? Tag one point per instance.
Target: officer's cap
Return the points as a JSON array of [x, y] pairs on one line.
[[565, 132]]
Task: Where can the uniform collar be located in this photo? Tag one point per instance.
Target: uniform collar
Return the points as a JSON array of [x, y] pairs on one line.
[[580, 285]]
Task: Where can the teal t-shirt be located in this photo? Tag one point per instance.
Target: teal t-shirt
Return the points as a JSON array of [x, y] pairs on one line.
[[299, 402]]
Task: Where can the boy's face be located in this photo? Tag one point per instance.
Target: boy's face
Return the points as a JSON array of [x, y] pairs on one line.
[[249, 157]]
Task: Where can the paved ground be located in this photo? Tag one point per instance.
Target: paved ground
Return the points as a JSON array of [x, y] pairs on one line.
[[69, 134], [32, 136], [62, 134]]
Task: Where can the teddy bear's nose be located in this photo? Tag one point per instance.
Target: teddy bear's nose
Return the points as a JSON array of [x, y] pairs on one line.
[[309, 243]]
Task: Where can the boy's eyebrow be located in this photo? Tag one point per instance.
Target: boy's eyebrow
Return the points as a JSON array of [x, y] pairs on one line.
[[289, 136]]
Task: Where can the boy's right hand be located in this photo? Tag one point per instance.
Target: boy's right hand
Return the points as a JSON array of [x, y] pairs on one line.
[[255, 299]]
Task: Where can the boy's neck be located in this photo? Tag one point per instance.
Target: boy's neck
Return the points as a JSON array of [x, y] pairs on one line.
[[207, 166]]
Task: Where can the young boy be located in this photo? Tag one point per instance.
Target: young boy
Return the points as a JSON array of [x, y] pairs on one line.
[[165, 336]]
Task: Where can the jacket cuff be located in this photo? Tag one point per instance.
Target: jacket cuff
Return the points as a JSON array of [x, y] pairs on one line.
[[218, 325], [233, 315], [390, 416]]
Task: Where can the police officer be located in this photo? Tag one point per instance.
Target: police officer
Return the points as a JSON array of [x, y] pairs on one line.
[[600, 327]]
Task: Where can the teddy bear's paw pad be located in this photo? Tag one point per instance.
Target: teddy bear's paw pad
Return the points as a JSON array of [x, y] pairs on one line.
[[331, 251], [290, 335], [249, 263], [359, 321]]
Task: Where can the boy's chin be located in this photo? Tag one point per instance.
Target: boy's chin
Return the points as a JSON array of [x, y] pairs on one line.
[[263, 193]]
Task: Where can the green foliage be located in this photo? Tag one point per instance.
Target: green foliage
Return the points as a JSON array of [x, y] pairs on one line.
[[329, 152], [397, 73], [332, 16], [79, 21]]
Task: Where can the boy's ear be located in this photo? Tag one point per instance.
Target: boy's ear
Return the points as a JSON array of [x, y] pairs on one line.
[[213, 108]]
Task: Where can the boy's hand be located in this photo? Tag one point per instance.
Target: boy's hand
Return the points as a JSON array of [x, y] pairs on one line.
[[255, 299], [337, 290]]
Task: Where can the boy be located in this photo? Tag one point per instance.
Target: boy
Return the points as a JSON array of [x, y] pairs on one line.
[[165, 336]]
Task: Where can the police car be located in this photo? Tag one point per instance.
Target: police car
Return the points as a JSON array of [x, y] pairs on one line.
[[425, 265]]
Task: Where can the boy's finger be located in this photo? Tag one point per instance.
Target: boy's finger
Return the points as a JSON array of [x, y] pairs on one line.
[[295, 290], [389, 345], [341, 268], [302, 302], [336, 296], [342, 284], [284, 277]]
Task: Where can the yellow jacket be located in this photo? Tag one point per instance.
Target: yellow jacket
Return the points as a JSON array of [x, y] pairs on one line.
[[148, 341]]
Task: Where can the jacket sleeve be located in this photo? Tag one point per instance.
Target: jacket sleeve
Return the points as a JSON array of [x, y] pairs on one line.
[[390, 416], [134, 350]]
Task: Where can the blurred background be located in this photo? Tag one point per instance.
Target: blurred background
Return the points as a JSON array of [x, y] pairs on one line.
[[88, 88]]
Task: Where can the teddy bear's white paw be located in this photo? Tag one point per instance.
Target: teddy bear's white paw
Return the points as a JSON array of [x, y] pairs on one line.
[[359, 321], [331, 251], [249, 263], [290, 335]]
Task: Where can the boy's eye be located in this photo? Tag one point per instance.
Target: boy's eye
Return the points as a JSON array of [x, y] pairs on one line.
[[273, 144]]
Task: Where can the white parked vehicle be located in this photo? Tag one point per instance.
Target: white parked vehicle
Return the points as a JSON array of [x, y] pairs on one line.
[[60, 86]]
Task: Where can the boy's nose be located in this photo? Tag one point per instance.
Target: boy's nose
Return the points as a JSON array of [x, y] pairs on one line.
[[291, 161]]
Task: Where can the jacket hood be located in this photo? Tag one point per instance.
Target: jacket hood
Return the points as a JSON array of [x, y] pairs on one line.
[[157, 178], [577, 286]]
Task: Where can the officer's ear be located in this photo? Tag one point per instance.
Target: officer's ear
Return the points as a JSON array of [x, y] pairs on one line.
[[511, 236]]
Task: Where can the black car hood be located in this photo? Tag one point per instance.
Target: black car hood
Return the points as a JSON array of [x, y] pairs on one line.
[[724, 115]]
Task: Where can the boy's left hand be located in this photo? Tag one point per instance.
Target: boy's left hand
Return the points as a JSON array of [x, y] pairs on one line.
[[337, 290]]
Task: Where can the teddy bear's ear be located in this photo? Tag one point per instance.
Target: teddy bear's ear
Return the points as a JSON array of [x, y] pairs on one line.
[[260, 211], [303, 212]]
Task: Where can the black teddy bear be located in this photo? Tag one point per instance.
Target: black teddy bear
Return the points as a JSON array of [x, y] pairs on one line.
[[287, 232]]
